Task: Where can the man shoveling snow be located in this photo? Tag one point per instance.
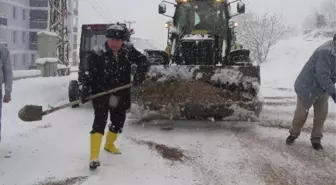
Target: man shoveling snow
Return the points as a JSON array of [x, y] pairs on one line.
[[110, 67], [314, 85]]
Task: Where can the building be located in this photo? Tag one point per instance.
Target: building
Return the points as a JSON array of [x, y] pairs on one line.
[[20, 20], [73, 31]]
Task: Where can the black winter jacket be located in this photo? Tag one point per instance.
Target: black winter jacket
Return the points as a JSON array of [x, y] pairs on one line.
[[105, 71]]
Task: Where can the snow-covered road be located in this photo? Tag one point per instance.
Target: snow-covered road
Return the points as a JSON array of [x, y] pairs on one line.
[[56, 149]]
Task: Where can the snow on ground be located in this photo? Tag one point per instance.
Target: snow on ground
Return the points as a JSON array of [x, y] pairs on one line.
[[237, 153], [20, 74]]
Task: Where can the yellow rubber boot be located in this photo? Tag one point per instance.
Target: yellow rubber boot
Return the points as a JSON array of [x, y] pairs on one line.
[[109, 145], [96, 140]]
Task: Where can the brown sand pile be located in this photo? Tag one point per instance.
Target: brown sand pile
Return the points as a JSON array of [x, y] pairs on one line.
[[181, 92]]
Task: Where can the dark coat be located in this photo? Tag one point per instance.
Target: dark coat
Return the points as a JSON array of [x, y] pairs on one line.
[[318, 75], [106, 71]]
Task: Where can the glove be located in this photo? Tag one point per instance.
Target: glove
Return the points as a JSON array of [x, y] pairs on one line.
[[84, 95], [333, 96]]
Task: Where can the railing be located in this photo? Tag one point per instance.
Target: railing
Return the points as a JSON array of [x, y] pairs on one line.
[[38, 24], [38, 3], [33, 45]]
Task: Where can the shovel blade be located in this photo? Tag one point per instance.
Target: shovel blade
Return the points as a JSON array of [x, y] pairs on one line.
[[30, 113]]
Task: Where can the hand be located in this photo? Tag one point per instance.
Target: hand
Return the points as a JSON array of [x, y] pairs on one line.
[[7, 98], [84, 95]]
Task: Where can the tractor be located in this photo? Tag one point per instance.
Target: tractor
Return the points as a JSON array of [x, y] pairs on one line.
[[202, 40]]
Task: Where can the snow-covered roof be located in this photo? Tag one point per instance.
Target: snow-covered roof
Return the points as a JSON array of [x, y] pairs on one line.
[[47, 33], [61, 66], [46, 60]]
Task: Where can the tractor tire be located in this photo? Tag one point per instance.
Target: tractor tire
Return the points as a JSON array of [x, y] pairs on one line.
[[73, 92]]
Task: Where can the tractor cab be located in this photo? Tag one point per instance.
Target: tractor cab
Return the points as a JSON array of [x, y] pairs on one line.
[[205, 22]]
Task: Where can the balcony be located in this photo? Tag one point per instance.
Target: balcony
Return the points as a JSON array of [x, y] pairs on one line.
[[33, 46], [38, 24], [38, 19], [39, 3]]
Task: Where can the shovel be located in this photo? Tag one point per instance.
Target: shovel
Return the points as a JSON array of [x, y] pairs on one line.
[[30, 113]]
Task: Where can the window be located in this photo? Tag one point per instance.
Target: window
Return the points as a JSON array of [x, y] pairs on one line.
[[75, 39], [24, 59], [14, 60], [14, 36], [33, 40], [3, 21], [75, 21], [33, 58], [38, 19], [23, 37], [14, 12], [23, 14]]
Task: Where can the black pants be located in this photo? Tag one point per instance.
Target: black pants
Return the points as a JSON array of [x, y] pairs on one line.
[[101, 110]]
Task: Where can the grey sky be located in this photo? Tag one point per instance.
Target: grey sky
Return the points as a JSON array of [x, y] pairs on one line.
[[149, 24]]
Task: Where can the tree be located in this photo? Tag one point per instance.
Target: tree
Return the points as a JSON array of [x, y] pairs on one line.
[[260, 33], [328, 10], [321, 21], [315, 21]]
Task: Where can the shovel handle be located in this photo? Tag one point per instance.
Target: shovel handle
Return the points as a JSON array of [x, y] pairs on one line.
[[89, 98]]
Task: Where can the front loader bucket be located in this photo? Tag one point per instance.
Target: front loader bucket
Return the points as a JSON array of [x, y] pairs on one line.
[[200, 92]]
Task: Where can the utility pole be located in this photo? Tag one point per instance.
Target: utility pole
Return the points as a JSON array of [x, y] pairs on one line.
[[58, 24], [129, 24]]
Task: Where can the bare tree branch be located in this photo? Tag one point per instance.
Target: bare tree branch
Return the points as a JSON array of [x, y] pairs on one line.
[[260, 33]]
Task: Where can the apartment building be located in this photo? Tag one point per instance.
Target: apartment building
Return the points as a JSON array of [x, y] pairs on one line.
[[20, 20], [73, 31]]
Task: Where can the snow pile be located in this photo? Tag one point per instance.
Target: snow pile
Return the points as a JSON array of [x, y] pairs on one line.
[[234, 76], [62, 66], [173, 72], [197, 37], [175, 90], [18, 74], [321, 33], [49, 91], [42, 61]]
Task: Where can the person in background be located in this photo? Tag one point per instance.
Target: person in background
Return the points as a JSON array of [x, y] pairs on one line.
[[6, 77], [110, 67], [314, 85]]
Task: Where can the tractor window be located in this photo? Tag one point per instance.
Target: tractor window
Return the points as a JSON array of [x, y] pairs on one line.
[[197, 19], [207, 17], [181, 18]]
